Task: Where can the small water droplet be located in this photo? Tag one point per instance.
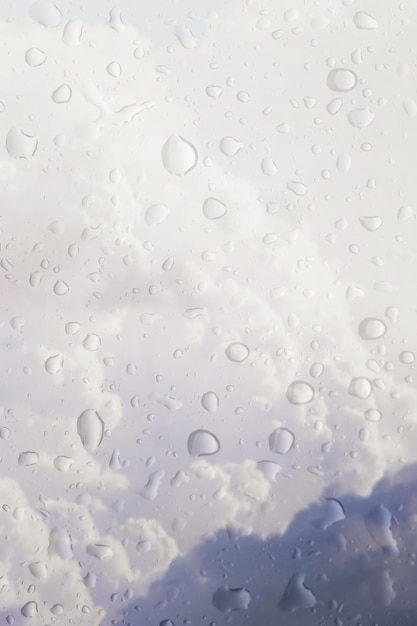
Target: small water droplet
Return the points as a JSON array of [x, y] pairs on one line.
[[45, 13], [54, 364], [361, 118], [373, 415], [99, 551], [60, 543], [156, 214], [29, 609], [371, 222], [92, 342], [63, 463]]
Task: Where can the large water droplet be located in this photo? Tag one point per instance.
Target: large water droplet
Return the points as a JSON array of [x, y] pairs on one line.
[[28, 458], [29, 609], [371, 222], [364, 21], [60, 543], [299, 189], [178, 156], [99, 551], [341, 79], [360, 387], [230, 146], [373, 415], [62, 94], [63, 463], [39, 569], [333, 513], [407, 357], [378, 522], [156, 214], [361, 118], [281, 440], [45, 13], [72, 33], [54, 364], [35, 57], [90, 428], [20, 145], [226, 599], [237, 352], [296, 595], [372, 328], [213, 209], [92, 342], [202, 443], [210, 401], [300, 392], [61, 288]]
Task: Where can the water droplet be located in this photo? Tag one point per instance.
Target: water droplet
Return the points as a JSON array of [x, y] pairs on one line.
[[361, 118], [360, 387], [281, 440], [99, 551], [114, 69], [410, 107], [373, 415], [178, 156], [72, 33], [60, 543], [29, 609], [72, 328], [364, 21], [214, 209], [150, 490], [299, 189], [202, 443], [90, 428], [343, 163], [372, 328], [54, 364], [226, 599], [62, 94], [63, 463], [35, 57], [237, 352], [334, 106], [45, 13], [17, 323], [230, 146], [156, 214], [20, 145], [300, 392], [407, 357], [380, 587], [210, 401], [371, 222], [185, 37], [333, 513], [341, 79], [214, 91], [268, 166], [316, 370], [269, 469], [92, 342], [296, 595], [61, 288], [378, 522], [39, 569], [28, 458]]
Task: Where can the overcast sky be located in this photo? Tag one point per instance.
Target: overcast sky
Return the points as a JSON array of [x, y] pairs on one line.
[[207, 260]]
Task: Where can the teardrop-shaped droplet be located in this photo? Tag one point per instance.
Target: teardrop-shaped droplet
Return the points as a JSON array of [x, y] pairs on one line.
[[62, 94], [90, 428], [178, 156], [364, 21], [210, 401], [230, 146], [214, 209]]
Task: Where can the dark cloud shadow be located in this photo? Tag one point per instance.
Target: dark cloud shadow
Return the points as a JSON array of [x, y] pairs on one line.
[[355, 555]]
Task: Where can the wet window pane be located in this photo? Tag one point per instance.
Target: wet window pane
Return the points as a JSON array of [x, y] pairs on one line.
[[207, 261]]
